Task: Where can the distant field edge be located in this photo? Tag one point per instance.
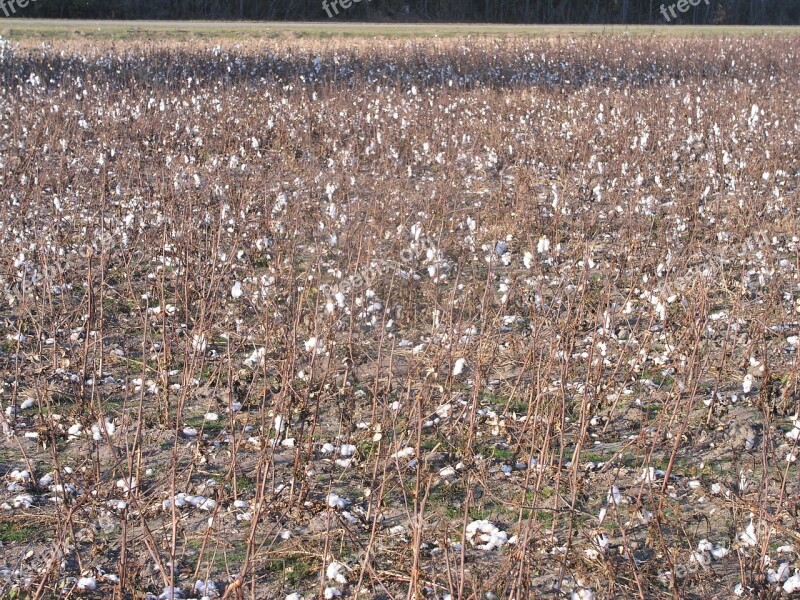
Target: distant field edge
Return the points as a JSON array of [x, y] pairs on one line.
[[21, 29]]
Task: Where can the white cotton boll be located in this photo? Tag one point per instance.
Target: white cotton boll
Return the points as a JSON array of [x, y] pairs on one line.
[[614, 497], [45, 480], [527, 260], [170, 593], [97, 430], [602, 515], [22, 501], [458, 368], [207, 588], [486, 532], [87, 583], [582, 594], [294, 596], [327, 448], [543, 247], [748, 536], [211, 416], [793, 434], [19, 476], [347, 450], [719, 552], [199, 343], [236, 290], [117, 505], [700, 558], [334, 572], [406, 452], [126, 485], [27, 403], [280, 423], [189, 431], [311, 344], [207, 504], [335, 501], [778, 575], [792, 584], [331, 593], [793, 340], [447, 472], [747, 384]]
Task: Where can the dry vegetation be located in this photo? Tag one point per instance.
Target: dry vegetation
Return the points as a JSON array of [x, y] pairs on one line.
[[400, 319]]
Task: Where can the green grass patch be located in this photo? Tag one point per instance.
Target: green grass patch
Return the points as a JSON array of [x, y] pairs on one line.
[[11, 532]]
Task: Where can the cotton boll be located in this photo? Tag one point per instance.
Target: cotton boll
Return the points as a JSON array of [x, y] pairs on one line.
[[334, 572], [170, 593], [778, 575], [19, 476], [236, 290], [331, 593], [294, 596], [199, 342], [748, 536], [447, 472], [406, 452], [97, 430], [87, 583], [489, 534], [335, 501], [527, 260], [792, 584], [22, 501], [311, 344], [458, 368], [747, 384], [719, 552], [543, 247], [207, 588]]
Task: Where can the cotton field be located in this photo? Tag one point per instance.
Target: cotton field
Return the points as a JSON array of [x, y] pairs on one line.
[[461, 318]]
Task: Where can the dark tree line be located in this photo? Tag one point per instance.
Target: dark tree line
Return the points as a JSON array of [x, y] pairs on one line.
[[744, 12]]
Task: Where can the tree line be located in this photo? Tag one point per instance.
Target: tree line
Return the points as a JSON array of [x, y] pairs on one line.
[[707, 12]]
